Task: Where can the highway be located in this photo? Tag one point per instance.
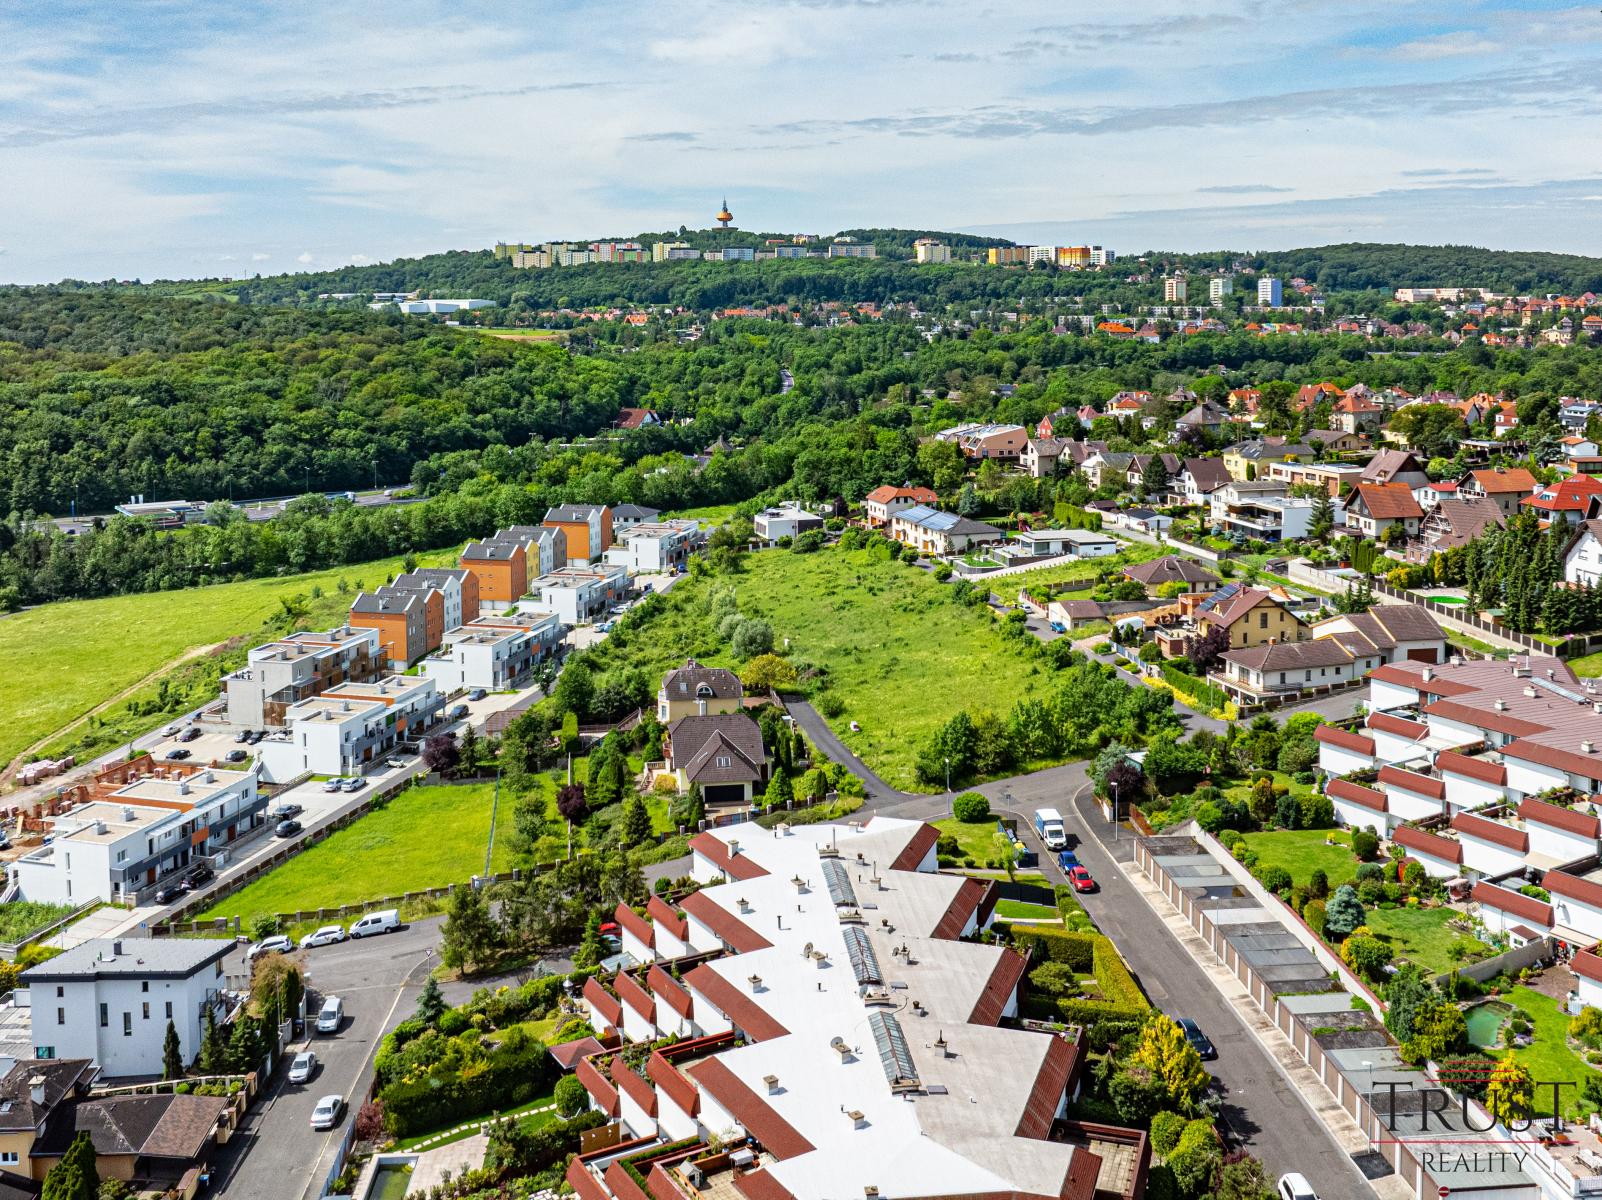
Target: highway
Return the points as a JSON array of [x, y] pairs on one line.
[[263, 509]]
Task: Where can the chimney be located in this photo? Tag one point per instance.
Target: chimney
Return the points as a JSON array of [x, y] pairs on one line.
[[838, 1045], [1427, 675], [942, 1045], [744, 905], [100, 828], [1500, 705], [858, 1121], [183, 787], [1587, 747], [1530, 693], [756, 983], [734, 847], [773, 1084], [116, 948], [36, 1089]]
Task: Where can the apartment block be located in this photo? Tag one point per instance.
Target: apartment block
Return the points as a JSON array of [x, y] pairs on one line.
[[409, 623], [493, 652], [588, 529], [348, 728], [579, 595], [930, 250], [458, 589], [654, 546], [279, 674]]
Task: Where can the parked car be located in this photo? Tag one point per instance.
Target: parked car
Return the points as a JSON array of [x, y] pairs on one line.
[[394, 762], [235, 756], [326, 936], [327, 1113], [457, 713], [277, 944], [477, 694], [378, 922], [303, 1067], [1067, 860], [604, 627], [255, 736], [287, 809], [334, 784], [189, 734], [168, 892], [172, 731], [1196, 1038], [1293, 1185], [355, 783], [201, 876], [287, 828], [332, 1014], [1081, 880], [178, 754], [242, 736]]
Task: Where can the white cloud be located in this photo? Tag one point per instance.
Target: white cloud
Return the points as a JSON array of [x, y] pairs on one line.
[[305, 257], [1458, 44], [260, 257]]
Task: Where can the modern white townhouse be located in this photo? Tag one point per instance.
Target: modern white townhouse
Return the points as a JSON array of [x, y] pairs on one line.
[[493, 653], [579, 595], [291, 669], [348, 728]]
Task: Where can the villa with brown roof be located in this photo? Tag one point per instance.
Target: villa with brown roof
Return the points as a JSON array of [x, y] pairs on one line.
[[1373, 509]]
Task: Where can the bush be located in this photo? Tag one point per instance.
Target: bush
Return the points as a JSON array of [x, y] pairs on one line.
[[1365, 844], [571, 1097], [512, 1074], [1166, 1128], [1367, 871], [1318, 884], [830, 705], [971, 808], [1275, 879], [1313, 914]]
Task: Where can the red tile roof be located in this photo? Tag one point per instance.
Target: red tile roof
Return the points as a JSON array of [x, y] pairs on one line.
[[1569, 820], [778, 1137], [1526, 907], [1450, 761], [632, 922], [597, 1085], [740, 1007], [636, 997], [963, 905], [739, 936], [1587, 766], [1505, 481], [760, 1185], [1468, 825], [1428, 843], [1412, 781], [1050, 1084], [631, 1085], [716, 851], [673, 1083], [1344, 789], [665, 915], [1587, 963], [669, 991], [1483, 718], [1400, 726], [603, 1001], [1334, 735], [1573, 887], [999, 988], [1388, 501], [1413, 677], [923, 841]]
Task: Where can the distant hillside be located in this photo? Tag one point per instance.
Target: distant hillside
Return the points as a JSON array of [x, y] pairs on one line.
[[1359, 266]]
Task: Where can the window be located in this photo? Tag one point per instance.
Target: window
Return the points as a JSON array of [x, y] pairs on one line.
[[44, 1051], [8, 1158], [60, 991], [146, 1014], [105, 1017], [61, 1016], [144, 985], [169, 1010], [1262, 619], [122, 856], [127, 1024]]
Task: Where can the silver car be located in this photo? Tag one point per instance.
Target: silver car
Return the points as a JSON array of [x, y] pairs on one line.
[[326, 936], [303, 1067], [327, 1113]]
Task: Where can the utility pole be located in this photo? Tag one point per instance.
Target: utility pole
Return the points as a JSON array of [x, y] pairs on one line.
[[495, 804]]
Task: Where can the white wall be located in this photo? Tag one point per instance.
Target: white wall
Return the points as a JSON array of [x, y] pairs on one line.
[[1590, 991], [119, 1054], [1410, 806], [1558, 843], [1337, 760], [1488, 858], [635, 948], [1579, 916], [1531, 779], [1383, 695], [701, 936], [1438, 868], [1463, 792], [1459, 732], [640, 1123], [635, 1027], [1358, 816], [708, 1020], [667, 943], [1395, 748], [676, 1124], [1498, 921]]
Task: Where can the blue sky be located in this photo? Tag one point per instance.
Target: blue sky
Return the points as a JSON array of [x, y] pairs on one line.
[[165, 139]]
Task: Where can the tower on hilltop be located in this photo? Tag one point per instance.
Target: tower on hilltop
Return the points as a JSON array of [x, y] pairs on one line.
[[724, 215]]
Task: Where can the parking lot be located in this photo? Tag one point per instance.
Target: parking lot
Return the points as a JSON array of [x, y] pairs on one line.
[[277, 1155]]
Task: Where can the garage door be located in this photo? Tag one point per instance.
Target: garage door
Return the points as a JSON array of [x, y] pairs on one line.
[[724, 793], [1429, 655]]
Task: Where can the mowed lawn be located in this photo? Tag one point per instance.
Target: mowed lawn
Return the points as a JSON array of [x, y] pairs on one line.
[[901, 655], [1302, 851], [1548, 1056], [425, 837], [61, 660], [1419, 935]]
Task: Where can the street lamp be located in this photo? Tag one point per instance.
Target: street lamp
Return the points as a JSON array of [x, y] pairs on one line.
[[1114, 786], [948, 775]]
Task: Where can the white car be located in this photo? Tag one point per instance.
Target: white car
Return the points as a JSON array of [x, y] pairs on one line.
[[171, 731], [303, 1067], [327, 1113], [333, 785], [326, 936], [1293, 1185], [277, 944]]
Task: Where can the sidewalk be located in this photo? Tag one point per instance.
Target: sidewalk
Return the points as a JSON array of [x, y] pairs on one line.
[[1346, 1132]]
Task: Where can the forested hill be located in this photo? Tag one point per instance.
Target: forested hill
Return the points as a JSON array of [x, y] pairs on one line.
[[1359, 266]]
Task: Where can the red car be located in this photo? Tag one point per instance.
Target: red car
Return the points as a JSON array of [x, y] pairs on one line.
[[1081, 879]]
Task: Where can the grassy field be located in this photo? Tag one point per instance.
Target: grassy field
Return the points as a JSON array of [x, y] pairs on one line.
[[712, 514], [1588, 667], [976, 841], [21, 917], [64, 659], [425, 837], [1012, 910], [1302, 851], [1089, 568], [901, 655]]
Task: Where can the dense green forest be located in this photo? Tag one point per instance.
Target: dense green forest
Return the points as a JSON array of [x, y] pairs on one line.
[[108, 393]]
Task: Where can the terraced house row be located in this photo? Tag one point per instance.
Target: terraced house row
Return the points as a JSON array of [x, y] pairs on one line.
[[812, 1022], [1486, 772]]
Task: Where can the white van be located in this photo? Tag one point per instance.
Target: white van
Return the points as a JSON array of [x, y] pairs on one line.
[[333, 1012], [378, 922]]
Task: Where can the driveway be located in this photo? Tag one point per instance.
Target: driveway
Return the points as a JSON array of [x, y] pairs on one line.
[[276, 1155], [820, 735]]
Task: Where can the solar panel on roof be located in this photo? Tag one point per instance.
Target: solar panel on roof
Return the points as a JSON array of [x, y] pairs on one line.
[[864, 962], [838, 879], [894, 1056]]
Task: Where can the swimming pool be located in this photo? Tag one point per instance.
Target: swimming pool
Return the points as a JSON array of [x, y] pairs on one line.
[[1485, 1023]]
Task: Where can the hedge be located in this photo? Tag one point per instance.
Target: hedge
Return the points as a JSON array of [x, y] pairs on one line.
[[1077, 950], [1093, 954], [509, 1078], [651, 1155], [1199, 689]]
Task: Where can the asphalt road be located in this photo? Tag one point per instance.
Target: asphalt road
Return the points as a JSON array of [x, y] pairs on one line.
[[277, 1155]]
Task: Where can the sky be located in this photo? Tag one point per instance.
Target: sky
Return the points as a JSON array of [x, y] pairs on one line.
[[164, 139]]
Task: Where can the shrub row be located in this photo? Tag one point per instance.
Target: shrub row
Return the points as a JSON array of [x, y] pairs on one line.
[[1200, 689], [509, 1078], [1093, 954]]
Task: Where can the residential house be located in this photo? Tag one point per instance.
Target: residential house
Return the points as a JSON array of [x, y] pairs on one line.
[[157, 1143], [348, 728], [1334, 478], [1566, 501], [1197, 479], [109, 1000], [1453, 523], [1206, 416], [1128, 404], [988, 443], [626, 516], [784, 520], [1582, 559], [1431, 494], [1245, 399], [693, 690], [1578, 446], [30, 1092], [1506, 486], [1104, 467], [1145, 520], [1031, 544], [884, 502], [500, 569], [1065, 616], [1266, 673], [1311, 395], [636, 418], [409, 623], [1252, 617], [1171, 569], [578, 595], [1263, 511], [720, 752], [1039, 459], [1336, 441], [1374, 509], [1395, 466], [495, 653], [1248, 461], [457, 587], [1355, 414], [1135, 474], [588, 528], [298, 665], [931, 531], [654, 548], [544, 546], [1063, 423], [1394, 632]]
